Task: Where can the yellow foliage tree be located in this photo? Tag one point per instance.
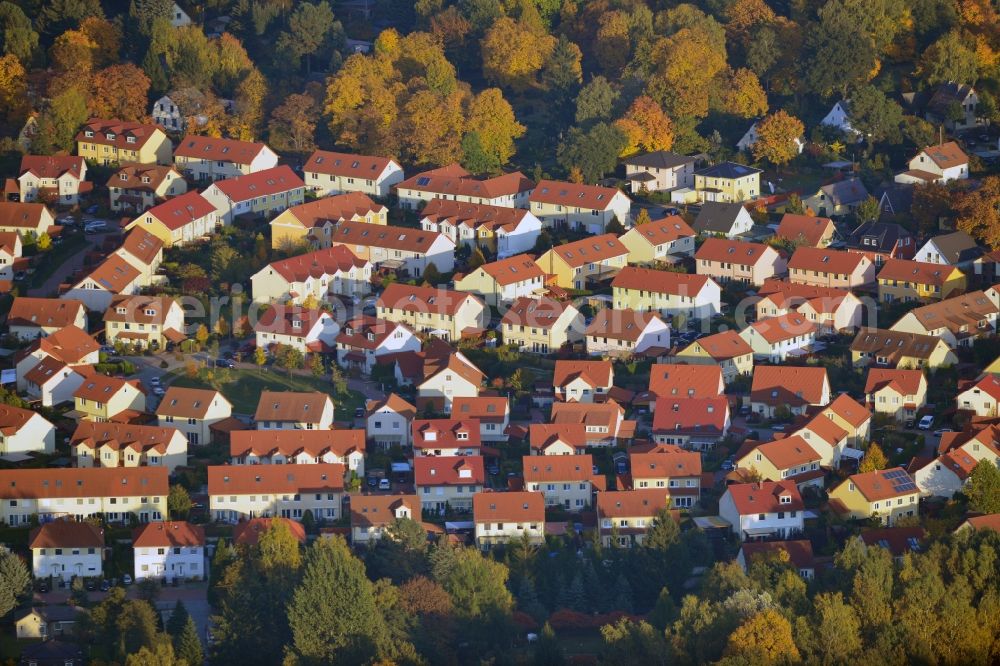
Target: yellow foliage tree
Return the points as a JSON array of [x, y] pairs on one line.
[[744, 95], [74, 52], [874, 459], [106, 36], [766, 638], [13, 88], [433, 127], [686, 63], [513, 53], [647, 127], [612, 41], [492, 117], [746, 14], [776, 136]]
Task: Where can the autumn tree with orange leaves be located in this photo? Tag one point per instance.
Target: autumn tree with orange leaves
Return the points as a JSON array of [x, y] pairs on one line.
[[647, 127], [776, 138], [119, 91], [978, 212]]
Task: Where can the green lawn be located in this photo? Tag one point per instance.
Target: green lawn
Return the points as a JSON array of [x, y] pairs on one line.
[[56, 257], [243, 388], [10, 647]]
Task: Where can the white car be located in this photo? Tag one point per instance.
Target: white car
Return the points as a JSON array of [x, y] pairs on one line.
[[926, 422], [159, 392]]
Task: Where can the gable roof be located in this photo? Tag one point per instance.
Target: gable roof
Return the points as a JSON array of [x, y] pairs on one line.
[[690, 416], [294, 321], [716, 217], [893, 345], [955, 312], [93, 435], [473, 215], [806, 229], [589, 250], [47, 312], [915, 271], [602, 414], [348, 165], [139, 309], [413, 298], [989, 384], [514, 269], [66, 533], [168, 534], [117, 132], [764, 497], [260, 183], [99, 388], [536, 312], [142, 245], [661, 282], [274, 479], [783, 327], [826, 260], [848, 409], [380, 510], [367, 332], [328, 261], [594, 373], [664, 230], [883, 484], [140, 176], [792, 384], [83, 482], [625, 324], [298, 406], [291, 442], [335, 209], [515, 507], [447, 470], [483, 408], [558, 468], [576, 195], [20, 215], [12, 419], [394, 403], [668, 380], [218, 149], [904, 382], [946, 155], [113, 274], [541, 435], [69, 345], [52, 166], [792, 295], [182, 210], [799, 552], [734, 251], [788, 452], [723, 346], [189, 403], [446, 433], [248, 533], [454, 180], [897, 540], [636, 503], [659, 159], [957, 247], [385, 235]]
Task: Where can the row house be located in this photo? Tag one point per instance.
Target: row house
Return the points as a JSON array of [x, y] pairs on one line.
[[387, 422], [492, 413], [328, 173], [441, 312], [135, 188], [299, 447], [145, 322], [455, 183], [625, 516], [321, 276], [397, 248], [568, 482], [577, 206], [499, 230], [884, 347], [775, 339], [901, 394], [886, 495], [11, 249], [448, 482], [583, 381], [66, 549], [313, 223], [127, 445], [364, 339], [55, 179], [677, 471], [179, 220], [725, 260], [261, 194], [21, 218], [294, 410], [193, 412], [75, 493], [659, 240], [693, 423], [144, 252], [794, 387], [504, 281], [24, 431], [446, 437], [726, 349], [833, 310], [669, 293], [806, 230], [101, 398], [826, 437], [303, 329], [116, 141], [242, 492], [852, 417], [30, 318], [958, 320], [604, 422], [627, 332], [67, 348], [578, 264], [501, 518], [904, 280], [957, 249], [836, 269], [789, 458], [372, 515], [169, 550], [557, 439], [114, 276], [541, 325], [209, 158], [765, 510], [668, 381]]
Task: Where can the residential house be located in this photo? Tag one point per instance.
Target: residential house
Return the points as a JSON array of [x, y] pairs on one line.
[[505, 280], [627, 332], [724, 260], [625, 516], [69, 346], [259, 194], [397, 248], [826, 436], [440, 312], [577, 264], [116, 141], [294, 410], [21, 218], [589, 208], [941, 163], [668, 381], [126, 445], [886, 495], [167, 114], [179, 220], [836, 269], [387, 422], [880, 241], [806, 230], [172, 550], [364, 339], [669, 293], [838, 198], [541, 325], [24, 431], [193, 412], [693, 423], [903, 280], [178, 17], [66, 549], [241, 492], [765, 510], [894, 201], [900, 349], [144, 252], [497, 230], [54, 179], [899, 541], [144, 322], [564, 439], [455, 183], [666, 239], [839, 117], [446, 378], [101, 398], [722, 219], [789, 458], [798, 553], [583, 381], [833, 310], [47, 622], [52, 381], [981, 398], [565, 481], [990, 521], [44, 494], [322, 275], [850, 416], [372, 514], [944, 475], [11, 250], [659, 171], [31, 318], [447, 482], [957, 320], [949, 96], [314, 222], [727, 182], [777, 338], [793, 388], [446, 437], [328, 173], [303, 329], [345, 448], [114, 276], [956, 249], [208, 158], [726, 349], [248, 532], [604, 422], [492, 413], [512, 516]]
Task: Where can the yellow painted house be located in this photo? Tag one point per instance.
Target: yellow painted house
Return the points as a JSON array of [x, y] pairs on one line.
[[903, 280], [727, 182], [885, 494], [114, 141], [102, 398], [179, 220], [576, 264], [726, 350], [314, 221]]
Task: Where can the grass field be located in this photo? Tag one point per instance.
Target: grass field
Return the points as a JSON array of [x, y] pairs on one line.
[[243, 388]]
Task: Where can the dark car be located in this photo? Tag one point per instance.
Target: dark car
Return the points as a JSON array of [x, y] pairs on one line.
[[493, 470], [359, 412], [727, 465], [105, 586], [91, 585], [91, 210], [224, 363]]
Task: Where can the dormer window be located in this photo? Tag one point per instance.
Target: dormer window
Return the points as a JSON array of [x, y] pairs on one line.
[[145, 179], [462, 435], [89, 134], [123, 176], [785, 499], [130, 139], [110, 136]]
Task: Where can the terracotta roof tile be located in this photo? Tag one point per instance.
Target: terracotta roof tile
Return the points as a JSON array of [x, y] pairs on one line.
[[348, 165], [274, 479], [595, 373], [218, 149], [52, 166], [764, 497], [784, 327], [660, 282], [297, 406], [248, 533], [884, 484], [918, 272], [47, 312], [446, 433], [329, 261], [734, 252], [410, 298], [576, 195], [448, 470], [386, 236], [515, 507], [805, 229], [667, 380], [338, 208], [275, 180], [454, 180], [189, 403], [589, 250], [904, 382], [168, 534], [287, 443], [625, 324], [803, 385], [380, 510], [66, 534], [84, 482], [664, 230], [541, 469], [117, 132], [20, 215], [826, 260], [472, 215]]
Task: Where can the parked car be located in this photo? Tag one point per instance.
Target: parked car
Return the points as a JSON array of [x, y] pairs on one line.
[[154, 381], [159, 392], [224, 363], [926, 422], [384, 484], [493, 470], [359, 412], [941, 431], [126, 579], [105, 586], [728, 465], [91, 210], [91, 585], [20, 275]]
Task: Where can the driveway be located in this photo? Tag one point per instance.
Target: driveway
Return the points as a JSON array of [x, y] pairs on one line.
[[51, 285]]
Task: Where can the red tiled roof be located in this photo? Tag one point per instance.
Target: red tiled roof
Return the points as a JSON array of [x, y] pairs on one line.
[[93, 435], [667, 380], [446, 433], [21, 215], [904, 382], [625, 324], [638, 503], [218, 149], [70, 345], [989, 521], [784, 327], [289, 442], [386, 236], [576, 195], [168, 534], [248, 533], [918, 272], [661, 282], [799, 553], [335, 209], [297, 406], [788, 452], [329, 261], [120, 131], [260, 184], [52, 166], [274, 479], [990, 385], [514, 269], [367, 167], [848, 409], [189, 403], [454, 180], [47, 312], [665, 464], [484, 408], [723, 346], [595, 373], [135, 173], [182, 210], [294, 321], [541, 435], [897, 540], [690, 416], [793, 384], [380, 510], [472, 215], [66, 534], [535, 312], [946, 155], [588, 250], [826, 260], [448, 470], [83, 482], [558, 468], [733, 251], [367, 332], [412, 298], [791, 295], [516, 507], [142, 245], [878, 485], [751, 498], [803, 228], [100, 388], [665, 230]]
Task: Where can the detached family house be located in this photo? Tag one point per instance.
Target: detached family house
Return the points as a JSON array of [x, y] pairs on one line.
[[179, 220], [900, 394], [56, 179], [776, 338], [30, 318], [659, 171], [806, 230], [942, 163]]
